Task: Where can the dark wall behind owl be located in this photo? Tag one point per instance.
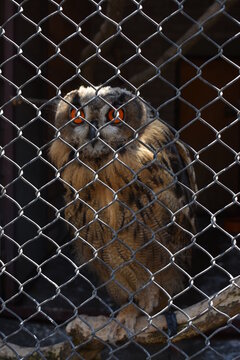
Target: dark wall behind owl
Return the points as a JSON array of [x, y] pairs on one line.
[[64, 51], [53, 59]]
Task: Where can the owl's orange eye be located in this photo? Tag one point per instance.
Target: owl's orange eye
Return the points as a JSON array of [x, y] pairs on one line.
[[115, 116], [74, 115]]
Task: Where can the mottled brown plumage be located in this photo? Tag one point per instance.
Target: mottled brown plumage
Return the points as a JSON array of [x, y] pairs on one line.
[[129, 191]]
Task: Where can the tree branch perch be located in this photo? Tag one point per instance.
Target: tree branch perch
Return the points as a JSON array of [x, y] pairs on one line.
[[202, 317], [205, 316]]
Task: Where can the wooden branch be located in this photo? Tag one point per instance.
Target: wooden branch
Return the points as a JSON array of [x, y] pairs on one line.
[[114, 11], [57, 351], [187, 40], [60, 351], [202, 317]]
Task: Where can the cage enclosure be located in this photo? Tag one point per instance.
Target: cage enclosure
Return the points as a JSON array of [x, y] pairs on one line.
[[181, 60]]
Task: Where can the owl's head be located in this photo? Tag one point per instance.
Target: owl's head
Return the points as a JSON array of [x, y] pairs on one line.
[[98, 122]]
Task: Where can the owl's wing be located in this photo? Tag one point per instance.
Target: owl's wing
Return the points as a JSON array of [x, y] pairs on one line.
[[160, 194], [166, 164], [178, 195], [186, 165], [180, 164], [168, 173]]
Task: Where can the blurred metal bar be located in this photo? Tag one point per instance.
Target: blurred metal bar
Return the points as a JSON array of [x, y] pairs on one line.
[[7, 251]]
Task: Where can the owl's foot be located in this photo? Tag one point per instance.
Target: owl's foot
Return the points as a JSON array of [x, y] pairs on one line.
[[124, 324], [149, 298]]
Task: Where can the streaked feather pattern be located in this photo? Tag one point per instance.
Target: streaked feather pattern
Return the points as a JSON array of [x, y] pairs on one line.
[[136, 211]]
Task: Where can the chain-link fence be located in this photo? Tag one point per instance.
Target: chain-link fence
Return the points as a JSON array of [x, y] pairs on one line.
[[119, 200]]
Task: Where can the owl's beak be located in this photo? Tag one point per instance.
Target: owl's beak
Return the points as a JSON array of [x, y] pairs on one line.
[[92, 132]]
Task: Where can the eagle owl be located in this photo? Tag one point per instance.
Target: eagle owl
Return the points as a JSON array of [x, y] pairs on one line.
[[129, 186]]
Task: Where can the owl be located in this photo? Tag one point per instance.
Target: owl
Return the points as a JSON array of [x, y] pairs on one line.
[[129, 188]]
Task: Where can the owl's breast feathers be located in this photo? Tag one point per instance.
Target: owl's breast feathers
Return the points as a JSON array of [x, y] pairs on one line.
[[135, 206]]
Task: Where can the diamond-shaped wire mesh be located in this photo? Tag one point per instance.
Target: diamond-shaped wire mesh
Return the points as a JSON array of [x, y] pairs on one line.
[[111, 247]]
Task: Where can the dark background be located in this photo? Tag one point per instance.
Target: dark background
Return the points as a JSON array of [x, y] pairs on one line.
[[42, 56]]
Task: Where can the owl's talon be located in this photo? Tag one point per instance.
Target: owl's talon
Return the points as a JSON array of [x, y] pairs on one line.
[[124, 324], [116, 334], [149, 299]]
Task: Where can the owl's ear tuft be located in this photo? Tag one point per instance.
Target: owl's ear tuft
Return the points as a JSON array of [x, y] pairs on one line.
[[123, 98], [76, 100]]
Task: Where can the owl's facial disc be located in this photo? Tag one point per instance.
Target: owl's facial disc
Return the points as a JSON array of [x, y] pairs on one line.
[[97, 133], [94, 140], [100, 122]]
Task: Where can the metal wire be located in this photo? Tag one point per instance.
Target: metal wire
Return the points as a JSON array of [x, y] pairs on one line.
[[34, 239]]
